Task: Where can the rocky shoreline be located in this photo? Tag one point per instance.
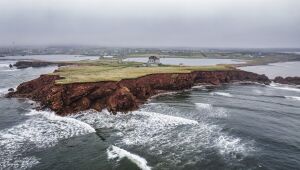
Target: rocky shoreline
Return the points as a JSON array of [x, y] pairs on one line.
[[122, 96], [34, 63], [287, 80]]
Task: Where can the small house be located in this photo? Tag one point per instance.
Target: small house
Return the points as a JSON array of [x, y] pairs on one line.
[[153, 60]]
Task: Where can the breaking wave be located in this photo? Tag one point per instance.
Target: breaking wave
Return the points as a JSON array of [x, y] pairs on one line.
[[4, 65], [159, 133], [228, 145], [284, 87], [203, 105], [9, 70], [208, 110], [164, 94], [3, 91], [293, 97], [114, 152], [221, 94], [201, 87], [43, 129]]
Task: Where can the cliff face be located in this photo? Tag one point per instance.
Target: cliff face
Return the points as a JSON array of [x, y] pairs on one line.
[[287, 80], [123, 96]]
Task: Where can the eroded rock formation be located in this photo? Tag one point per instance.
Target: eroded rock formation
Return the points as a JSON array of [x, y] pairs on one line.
[[34, 63], [287, 80], [124, 95]]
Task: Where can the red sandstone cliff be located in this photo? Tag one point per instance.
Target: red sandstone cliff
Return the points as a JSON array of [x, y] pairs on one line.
[[125, 95]]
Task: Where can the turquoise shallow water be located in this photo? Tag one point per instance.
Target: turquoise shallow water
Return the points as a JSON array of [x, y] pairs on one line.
[[229, 127]]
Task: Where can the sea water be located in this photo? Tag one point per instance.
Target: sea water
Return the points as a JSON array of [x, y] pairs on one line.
[[229, 127]]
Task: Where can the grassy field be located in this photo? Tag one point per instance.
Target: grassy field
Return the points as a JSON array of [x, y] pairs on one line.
[[114, 70]]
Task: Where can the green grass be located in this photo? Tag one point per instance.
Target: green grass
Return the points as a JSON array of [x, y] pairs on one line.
[[96, 71]]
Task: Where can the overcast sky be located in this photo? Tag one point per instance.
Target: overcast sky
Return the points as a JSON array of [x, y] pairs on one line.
[[153, 23]]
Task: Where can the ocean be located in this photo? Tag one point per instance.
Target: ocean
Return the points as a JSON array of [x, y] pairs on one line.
[[234, 126]]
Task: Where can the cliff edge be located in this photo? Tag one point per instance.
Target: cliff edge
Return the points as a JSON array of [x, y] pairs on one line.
[[120, 96]]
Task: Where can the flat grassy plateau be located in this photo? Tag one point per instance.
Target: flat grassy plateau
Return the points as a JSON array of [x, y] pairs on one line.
[[116, 70]]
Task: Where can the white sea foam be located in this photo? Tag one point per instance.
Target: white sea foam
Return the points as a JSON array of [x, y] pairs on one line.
[[114, 152], [69, 120], [164, 94], [9, 70], [3, 91], [165, 119], [208, 110], [228, 145], [293, 97], [159, 133], [202, 87], [221, 94], [41, 130], [257, 91], [4, 65], [203, 105], [284, 87], [198, 87], [22, 163]]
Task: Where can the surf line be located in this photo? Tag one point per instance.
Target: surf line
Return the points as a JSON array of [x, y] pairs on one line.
[[114, 152]]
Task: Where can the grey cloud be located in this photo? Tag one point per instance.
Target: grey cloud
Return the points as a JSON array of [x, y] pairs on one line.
[[257, 24]]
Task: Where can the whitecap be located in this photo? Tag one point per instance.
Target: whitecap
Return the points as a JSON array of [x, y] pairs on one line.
[[284, 87], [53, 116], [114, 152], [203, 105], [22, 163], [41, 130], [208, 110], [158, 134], [3, 91], [4, 65], [228, 145], [163, 94], [9, 70], [165, 119], [221, 94], [293, 97], [201, 87]]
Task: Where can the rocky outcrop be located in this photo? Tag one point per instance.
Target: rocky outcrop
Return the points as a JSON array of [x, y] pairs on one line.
[[122, 96], [287, 80], [26, 64], [11, 89]]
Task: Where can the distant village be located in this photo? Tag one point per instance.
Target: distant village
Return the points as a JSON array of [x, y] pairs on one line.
[[123, 52], [154, 54]]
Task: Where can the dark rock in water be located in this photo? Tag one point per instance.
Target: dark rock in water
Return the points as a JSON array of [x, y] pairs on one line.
[[11, 89], [287, 80], [122, 96], [26, 64], [10, 66]]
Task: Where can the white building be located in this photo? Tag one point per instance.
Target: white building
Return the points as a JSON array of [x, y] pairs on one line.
[[153, 60]]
